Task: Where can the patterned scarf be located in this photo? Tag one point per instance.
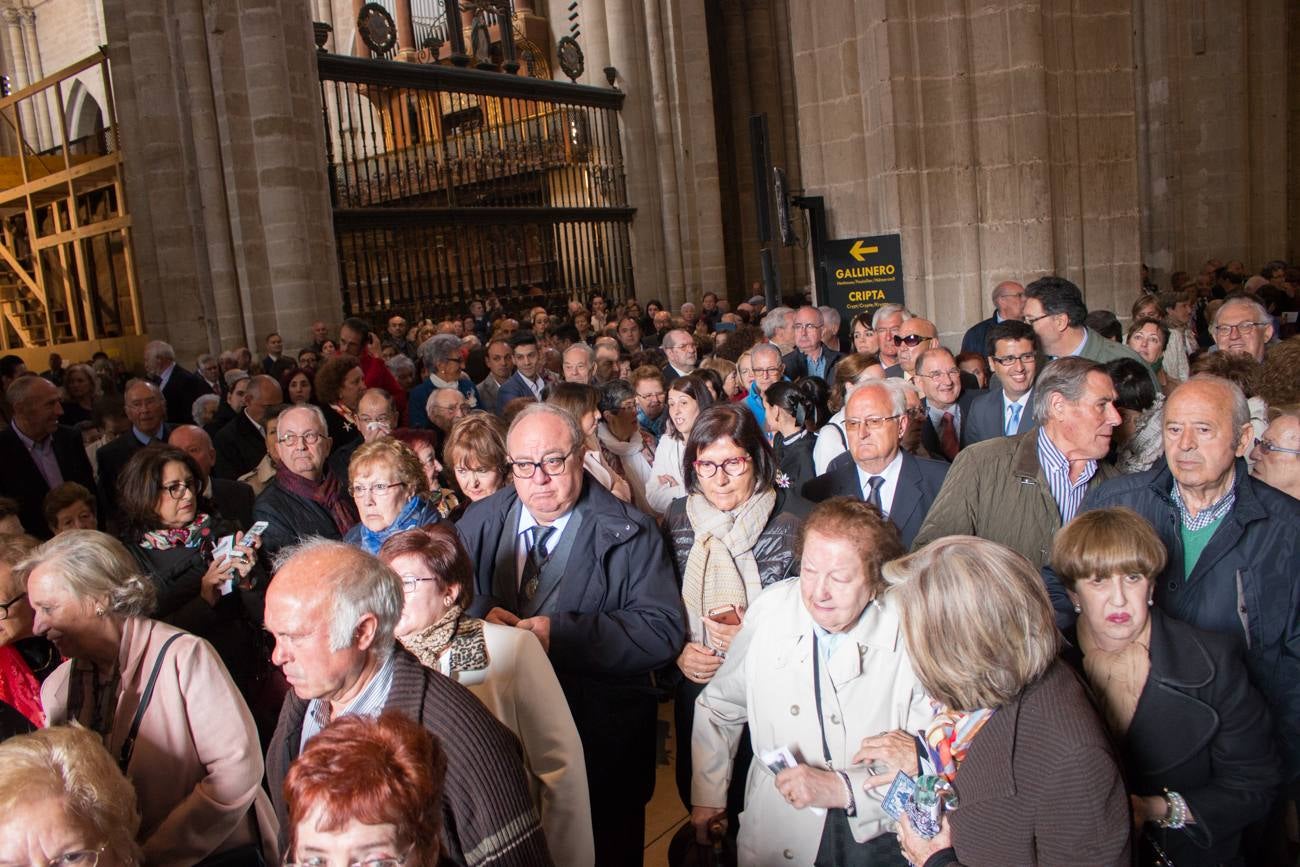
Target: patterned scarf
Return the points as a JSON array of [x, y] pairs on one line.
[[192, 535], [19, 688], [462, 635], [712, 578], [1117, 677], [416, 513], [949, 737], [325, 493]]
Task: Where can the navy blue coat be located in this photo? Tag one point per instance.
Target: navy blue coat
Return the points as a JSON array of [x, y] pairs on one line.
[[1246, 583], [919, 481]]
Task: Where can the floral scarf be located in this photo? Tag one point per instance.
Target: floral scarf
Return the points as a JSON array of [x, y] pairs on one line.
[[192, 535], [461, 635], [949, 737]]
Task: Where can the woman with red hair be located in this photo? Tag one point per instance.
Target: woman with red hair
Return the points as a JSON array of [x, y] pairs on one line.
[[366, 791]]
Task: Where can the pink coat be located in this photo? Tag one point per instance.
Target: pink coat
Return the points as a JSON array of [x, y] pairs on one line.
[[197, 766]]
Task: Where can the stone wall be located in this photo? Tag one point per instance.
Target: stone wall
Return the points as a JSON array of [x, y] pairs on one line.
[[998, 139], [219, 105]]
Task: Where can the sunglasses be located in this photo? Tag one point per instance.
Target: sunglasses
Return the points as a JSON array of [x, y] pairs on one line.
[[910, 340]]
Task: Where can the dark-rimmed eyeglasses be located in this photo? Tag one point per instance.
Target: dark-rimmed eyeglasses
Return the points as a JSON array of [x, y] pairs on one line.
[[1008, 360], [910, 339], [1030, 320], [4, 606], [1269, 447], [1242, 328], [552, 465], [853, 425], [731, 466], [177, 489]]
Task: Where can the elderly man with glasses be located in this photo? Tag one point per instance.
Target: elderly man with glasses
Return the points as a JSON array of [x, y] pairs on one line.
[[1242, 325], [947, 404], [810, 356], [876, 468], [558, 555], [306, 498]]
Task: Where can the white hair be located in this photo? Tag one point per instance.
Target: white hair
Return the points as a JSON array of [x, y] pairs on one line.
[[196, 411], [1259, 313], [830, 317], [894, 388], [889, 310], [777, 317]]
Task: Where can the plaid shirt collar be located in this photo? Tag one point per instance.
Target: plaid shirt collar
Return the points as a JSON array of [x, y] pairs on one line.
[[1209, 515]]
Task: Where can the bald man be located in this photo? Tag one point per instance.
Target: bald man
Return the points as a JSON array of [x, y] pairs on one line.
[[241, 444], [230, 498], [1008, 304]]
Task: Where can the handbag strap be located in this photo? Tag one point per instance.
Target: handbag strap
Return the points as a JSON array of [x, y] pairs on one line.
[[128, 745]]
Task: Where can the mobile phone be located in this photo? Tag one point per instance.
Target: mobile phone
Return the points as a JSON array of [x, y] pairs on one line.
[[727, 615], [255, 531]]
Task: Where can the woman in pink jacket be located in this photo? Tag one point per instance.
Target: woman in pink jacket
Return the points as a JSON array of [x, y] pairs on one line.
[[194, 760]]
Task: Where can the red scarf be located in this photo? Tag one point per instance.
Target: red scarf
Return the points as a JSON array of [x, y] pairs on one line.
[[18, 686], [325, 492]]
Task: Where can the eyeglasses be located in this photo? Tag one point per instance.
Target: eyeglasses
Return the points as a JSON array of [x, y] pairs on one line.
[[177, 489], [652, 395], [382, 418], [309, 439], [936, 375], [379, 489], [1030, 320], [1269, 447], [807, 326], [1243, 328], [853, 425], [910, 339], [731, 466], [767, 371], [317, 861], [4, 606], [409, 582], [552, 465], [1008, 360]]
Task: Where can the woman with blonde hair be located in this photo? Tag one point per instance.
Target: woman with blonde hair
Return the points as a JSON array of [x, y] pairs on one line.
[[389, 486], [188, 745], [1016, 742], [81, 388], [64, 802]]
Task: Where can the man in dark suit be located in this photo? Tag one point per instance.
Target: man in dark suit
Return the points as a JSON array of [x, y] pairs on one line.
[[241, 444], [37, 453], [875, 468], [147, 413], [1006, 409], [682, 354], [230, 499], [810, 356], [275, 363], [180, 387], [558, 555], [529, 377], [1009, 299], [946, 402]]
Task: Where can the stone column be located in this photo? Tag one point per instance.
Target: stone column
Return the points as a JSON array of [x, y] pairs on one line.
[[42, 101], [18, 76]]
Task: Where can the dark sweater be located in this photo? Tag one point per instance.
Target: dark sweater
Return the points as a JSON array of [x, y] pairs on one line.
[[488, 812]]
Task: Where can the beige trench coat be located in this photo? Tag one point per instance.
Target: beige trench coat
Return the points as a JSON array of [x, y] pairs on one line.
[[767, 682]]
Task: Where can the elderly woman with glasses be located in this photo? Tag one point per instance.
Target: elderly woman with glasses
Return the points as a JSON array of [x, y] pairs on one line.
[[817, 666], [64, 803], [731, 536], [25, 659], [506, 668], [192, 755], [391, 491], [444, 368], [366, 791], [203, 586]]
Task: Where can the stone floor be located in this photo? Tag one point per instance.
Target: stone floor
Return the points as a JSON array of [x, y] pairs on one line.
[[665, 813]]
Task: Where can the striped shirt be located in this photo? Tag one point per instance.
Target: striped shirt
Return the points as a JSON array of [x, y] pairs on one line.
[[1068, 494], [1208, 515], [369, 702]]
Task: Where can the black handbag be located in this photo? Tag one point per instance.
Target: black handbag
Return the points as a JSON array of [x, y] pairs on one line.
[[248, 855]]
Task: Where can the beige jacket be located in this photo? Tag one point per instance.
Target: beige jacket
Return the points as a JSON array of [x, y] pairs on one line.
[[197, 764], [767, 682], [520, 689]]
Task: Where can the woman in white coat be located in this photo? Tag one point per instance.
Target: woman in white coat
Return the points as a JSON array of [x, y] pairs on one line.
[[688, 396], [819, 666], [506, 668]]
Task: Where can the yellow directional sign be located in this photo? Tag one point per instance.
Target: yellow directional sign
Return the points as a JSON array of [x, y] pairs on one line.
[[861, 251]]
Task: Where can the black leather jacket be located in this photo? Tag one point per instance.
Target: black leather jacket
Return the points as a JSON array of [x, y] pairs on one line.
[[774, 550]]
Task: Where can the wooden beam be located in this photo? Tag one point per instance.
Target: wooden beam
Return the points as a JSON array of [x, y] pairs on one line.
[[93, 230]]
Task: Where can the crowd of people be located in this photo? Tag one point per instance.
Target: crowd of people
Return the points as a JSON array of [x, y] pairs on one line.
[[414, 596]]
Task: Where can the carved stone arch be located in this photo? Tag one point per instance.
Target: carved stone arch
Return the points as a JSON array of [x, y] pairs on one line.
[[85, 117]]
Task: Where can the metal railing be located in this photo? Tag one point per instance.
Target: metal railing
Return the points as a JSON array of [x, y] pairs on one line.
[[450, 184]]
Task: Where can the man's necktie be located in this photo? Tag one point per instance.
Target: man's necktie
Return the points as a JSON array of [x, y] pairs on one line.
[[873, 496], [1013, 420], [948, 443], [533, 563]]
